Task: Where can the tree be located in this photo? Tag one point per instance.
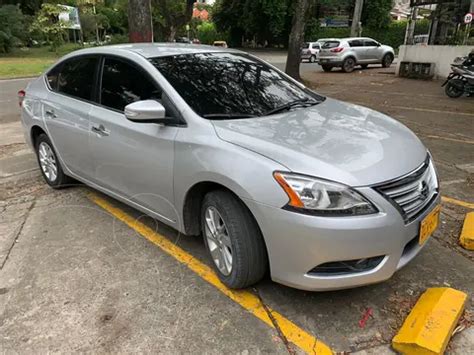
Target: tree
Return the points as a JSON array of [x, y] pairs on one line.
[[12, 26], [47, 23], [376, 13], [296, 39], [140, 21], [171, 15]]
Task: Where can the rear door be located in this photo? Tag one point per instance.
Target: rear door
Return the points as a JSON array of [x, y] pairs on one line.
[[66, 111], [133, 160]]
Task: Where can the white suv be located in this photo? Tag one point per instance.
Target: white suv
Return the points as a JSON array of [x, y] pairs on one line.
[[349, 52], [310, 51]]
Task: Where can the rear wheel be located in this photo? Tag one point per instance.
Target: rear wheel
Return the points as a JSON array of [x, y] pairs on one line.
[[348, 65], [387, 60], [312, 59], [49, 163], [453, 91], [233, 240], [326, 68]]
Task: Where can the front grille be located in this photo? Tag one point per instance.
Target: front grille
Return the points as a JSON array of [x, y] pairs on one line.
[[412, 193]]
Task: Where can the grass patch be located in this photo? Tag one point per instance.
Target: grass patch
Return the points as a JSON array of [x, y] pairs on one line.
[[24, 62]]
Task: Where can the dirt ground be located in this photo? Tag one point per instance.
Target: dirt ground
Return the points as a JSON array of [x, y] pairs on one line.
[[73, 278]]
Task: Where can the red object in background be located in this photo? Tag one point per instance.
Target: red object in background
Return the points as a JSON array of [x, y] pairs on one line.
[[365, 317], [21, 96]]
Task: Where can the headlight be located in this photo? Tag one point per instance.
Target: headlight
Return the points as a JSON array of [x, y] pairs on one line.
[[321, 197]]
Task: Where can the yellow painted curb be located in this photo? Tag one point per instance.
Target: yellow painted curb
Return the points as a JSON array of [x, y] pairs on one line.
[[467, 233], [454, 201], [429, 326]]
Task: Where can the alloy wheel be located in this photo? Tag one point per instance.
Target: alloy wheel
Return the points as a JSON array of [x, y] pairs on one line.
[[218, 241], [48, 161]]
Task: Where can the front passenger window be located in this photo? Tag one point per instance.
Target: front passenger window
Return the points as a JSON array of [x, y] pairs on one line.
[[123, 84]]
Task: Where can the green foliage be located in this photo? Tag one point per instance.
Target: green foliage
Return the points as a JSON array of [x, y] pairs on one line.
[[46, 22], [207, 33], [12, 27], [376, 13], [118, 39]]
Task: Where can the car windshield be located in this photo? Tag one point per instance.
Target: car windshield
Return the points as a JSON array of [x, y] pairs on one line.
[[231, 85], [330, 44]]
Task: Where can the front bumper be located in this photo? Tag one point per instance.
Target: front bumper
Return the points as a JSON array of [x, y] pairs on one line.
[[297, 243]]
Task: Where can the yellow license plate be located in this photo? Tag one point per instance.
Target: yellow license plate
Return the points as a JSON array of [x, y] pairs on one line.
[[429, 225]]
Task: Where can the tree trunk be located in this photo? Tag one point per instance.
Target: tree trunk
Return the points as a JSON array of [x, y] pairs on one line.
[[355, 28], [296, 39], [139, 21]]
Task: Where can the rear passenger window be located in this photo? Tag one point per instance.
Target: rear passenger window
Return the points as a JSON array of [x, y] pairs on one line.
[[52, 77], [123, 84], [76, 77]]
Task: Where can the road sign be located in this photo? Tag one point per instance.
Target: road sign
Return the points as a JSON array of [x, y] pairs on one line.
[[468, 18]]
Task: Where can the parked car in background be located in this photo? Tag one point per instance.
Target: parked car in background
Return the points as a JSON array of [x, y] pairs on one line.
[[215, 142], [310, 51], [183, 40], [347, 53], [222, 44]]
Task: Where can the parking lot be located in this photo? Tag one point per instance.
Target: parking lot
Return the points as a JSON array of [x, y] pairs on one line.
[[83, 272]]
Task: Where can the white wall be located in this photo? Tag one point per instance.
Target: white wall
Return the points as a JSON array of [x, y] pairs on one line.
[[442, 56]]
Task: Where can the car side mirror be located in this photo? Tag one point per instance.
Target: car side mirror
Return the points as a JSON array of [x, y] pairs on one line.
[[147, 111], [378, 44]]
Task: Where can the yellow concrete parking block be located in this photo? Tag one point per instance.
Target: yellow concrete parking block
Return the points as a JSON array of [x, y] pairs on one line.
[[467, 233], [246, 299], [431, 322]]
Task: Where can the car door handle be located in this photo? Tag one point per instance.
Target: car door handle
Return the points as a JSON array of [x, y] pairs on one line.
[[101, 131], [51, 113]]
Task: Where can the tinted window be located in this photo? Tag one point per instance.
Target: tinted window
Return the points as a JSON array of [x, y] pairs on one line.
[[356, 43], [370, 43], [76, 77], [228, 83], [305, 45], [330, 44], [123, 84]]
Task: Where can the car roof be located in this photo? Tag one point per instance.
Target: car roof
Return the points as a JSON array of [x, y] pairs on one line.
[[151, 50]]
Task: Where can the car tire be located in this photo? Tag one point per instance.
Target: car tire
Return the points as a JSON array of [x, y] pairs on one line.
[[236, 234], [387, 60], [49, 163], [326, 68], [312, 59], [364, 66], [348, 65]]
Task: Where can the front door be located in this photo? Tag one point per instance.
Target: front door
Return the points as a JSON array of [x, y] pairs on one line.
[[373, 51], [133, 160]]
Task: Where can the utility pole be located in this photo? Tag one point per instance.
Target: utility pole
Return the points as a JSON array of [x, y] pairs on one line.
[[140, 28], [356, 24]]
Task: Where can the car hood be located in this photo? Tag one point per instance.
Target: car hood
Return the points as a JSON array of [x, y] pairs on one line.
[[334, 140]]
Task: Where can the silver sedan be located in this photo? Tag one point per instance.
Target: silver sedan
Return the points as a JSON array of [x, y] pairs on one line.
[[215, 142]]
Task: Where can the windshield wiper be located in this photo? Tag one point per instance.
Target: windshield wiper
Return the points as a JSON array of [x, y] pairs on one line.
[[291, 104], [227, 116]]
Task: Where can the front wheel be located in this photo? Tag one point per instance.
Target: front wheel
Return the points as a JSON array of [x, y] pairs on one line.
[[233, 240], [453, 91], [387, 60], [312, 59]]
